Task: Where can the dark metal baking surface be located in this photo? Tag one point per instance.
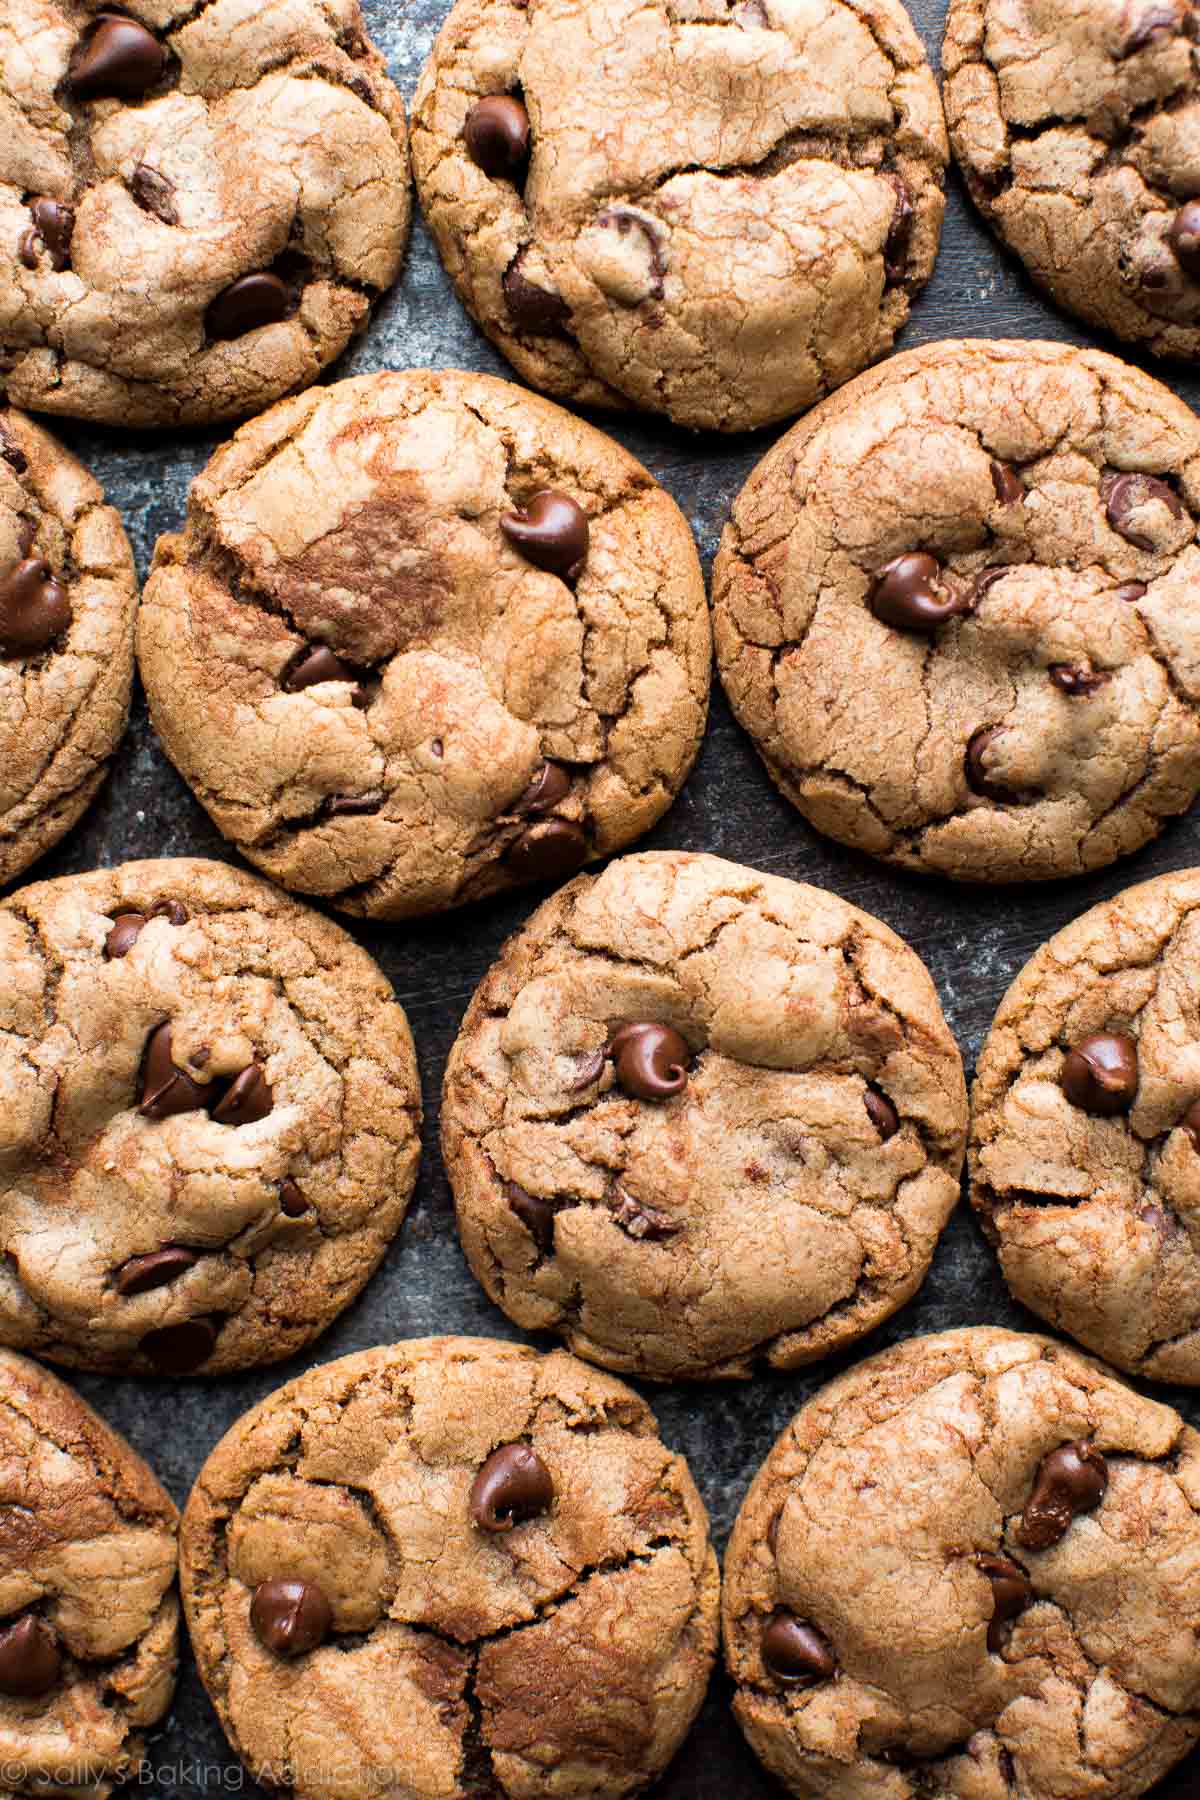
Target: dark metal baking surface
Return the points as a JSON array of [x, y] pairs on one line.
[[973, 942]]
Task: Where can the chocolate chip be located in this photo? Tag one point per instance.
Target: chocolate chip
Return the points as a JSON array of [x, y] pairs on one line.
[[350, 804], [1008, 484], [173, 911], [167, 1090], [1077, 682], [497, 136], [908, 593], [987, 578], [141, 1273], [1184, 238], [29, 247], [1125, 495], [549, 786], [116, 58], [1157, 20], [881, 1113], [128, 926], [546, 851], [30, 1662], [315, 665], [534, 310], [639, 1221], [899, 237], [12, 453], [1011, 1593], [651, 1060], [1191, 1123], [796, 1652], [1130, 591], [178, 1349], [978, 779], [1071, 1480], [1100, 1075], [246, 1100], [551, 532], [588, 1070], [246, 304], [53, 224], [535, 1213], [34, 608], [291, 1201], [154, 193], [513, 1485], [290, 1618]]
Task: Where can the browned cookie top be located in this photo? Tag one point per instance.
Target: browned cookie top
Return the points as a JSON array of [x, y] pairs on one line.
[[698, 1116], [208, 1119], [451, 1567], [958, 609], [1085, 1152], [971, 1568], [197, 203], [88, 1612], [426, 637], [716, 209], [1077, 126]]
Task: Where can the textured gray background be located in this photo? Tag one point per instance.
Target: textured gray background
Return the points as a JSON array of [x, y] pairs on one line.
[[974, 943]]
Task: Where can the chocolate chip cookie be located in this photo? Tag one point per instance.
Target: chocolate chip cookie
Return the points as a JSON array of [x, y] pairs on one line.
[[67, 598], [958, 611], [451, 1567], [1076, 124], [88, 1613], [210, 1111], [970, 1567], [715, 209], [426, 637], [699, 1119], [1085, 1137], [197, 204]]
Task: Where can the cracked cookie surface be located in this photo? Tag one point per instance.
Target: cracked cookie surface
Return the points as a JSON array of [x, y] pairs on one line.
[[713, 210], [924, 1595], [198, 203], [68, 593], [1076, 124], [1090, 1190], [699, 1117], [209, 1122], [424, 638], [561, 1647], [88, 1612], [998, 540]]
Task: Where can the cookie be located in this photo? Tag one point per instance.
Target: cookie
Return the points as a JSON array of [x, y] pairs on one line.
[[451, 1567], [197, 204], [714, 211], [1075, 126], [1085, 1133], [957, 611], [970, 1567], [68, 592], [88, 1612], [210, 1111], [424, 638], [700, 1119]]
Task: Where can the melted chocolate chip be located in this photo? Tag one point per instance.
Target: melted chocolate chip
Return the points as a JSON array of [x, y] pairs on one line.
[[497, 136], [29, 247], [1124, 495], [290, 1618], [350, 804], [52, 228], [314, 666], [1011, 1593], [30, 1661], [291, 1201], [796, 1652], [141, 1273], [167, 1090], [881, 1113], [535, 1213], [179, 1349], [589, 1069], [128, 926], [512, 1486], [1130, 591], [641, 1222], [1007, 483], [1077, 682], [116, 59], [1100, 1074], [978, 779], [651, 1060], [551, 532], [247, 1099], [1184, 239], [34, 608], [546, 851], [247, 304], [899, 237], [1191, 1123], [1071, 1480], [908, 593], [549, 786], [535, 311], [154, 193]]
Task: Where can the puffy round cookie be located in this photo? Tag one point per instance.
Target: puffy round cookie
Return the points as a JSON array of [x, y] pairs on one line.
[[970, 1567], [1085, 1134], [208, 1127], [958, 611], [699, 1119], [426, 637], [1076, 124], [88, 1613], [197, 204], [451, 1567], [711, 210], [68, 593]]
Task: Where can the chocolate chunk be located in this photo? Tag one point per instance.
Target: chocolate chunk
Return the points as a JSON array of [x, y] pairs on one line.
[[1129, 591], [1078, 682], [154, 193], [167, 1090], [546, 851], [1124, 495], [141, 1273], [639, 1221], [551, 532], [30, 1662], [291, 1201], [535, 1213], [290, 1618], [1100, 1074], [1071, 1480], [497, 136], [908, 593], [315, 665], [512, 1486], [589, 1069], [1011, 1593], [12, 453], [796, 1652], [115, 59], [29, 247], [173, 911], [128, 926], [247, 304], [34, 608], [651, 1060], [978, 779], [339, 805], [1149, 24], [53, 224], [246, 1100], [881, 1113], [1191, 1123], [899, 237], [1184, 239], [550, 785], [178, 1349], [536, 311], [1008, 484]]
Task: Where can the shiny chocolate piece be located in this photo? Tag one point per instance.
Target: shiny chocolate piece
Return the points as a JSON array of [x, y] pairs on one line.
[[247, 1099], [167, 1090], [34, 608], [1012, 1592], [1007, 483], [1079, 683], [535, 1213], [1184, 238], [552, 532], [908, 594], [1071, 1480], [513, 1486], [30, 1660], [899, 238], [547, 851], [290, 1618], [154, 193], [142, 1273], [651, 1060], [1100, 1073], [246, 304], [796, 1652], [180, 1349], [116, 58], [549, 786], [497, 136], [1124, 494], [881, 1113]]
